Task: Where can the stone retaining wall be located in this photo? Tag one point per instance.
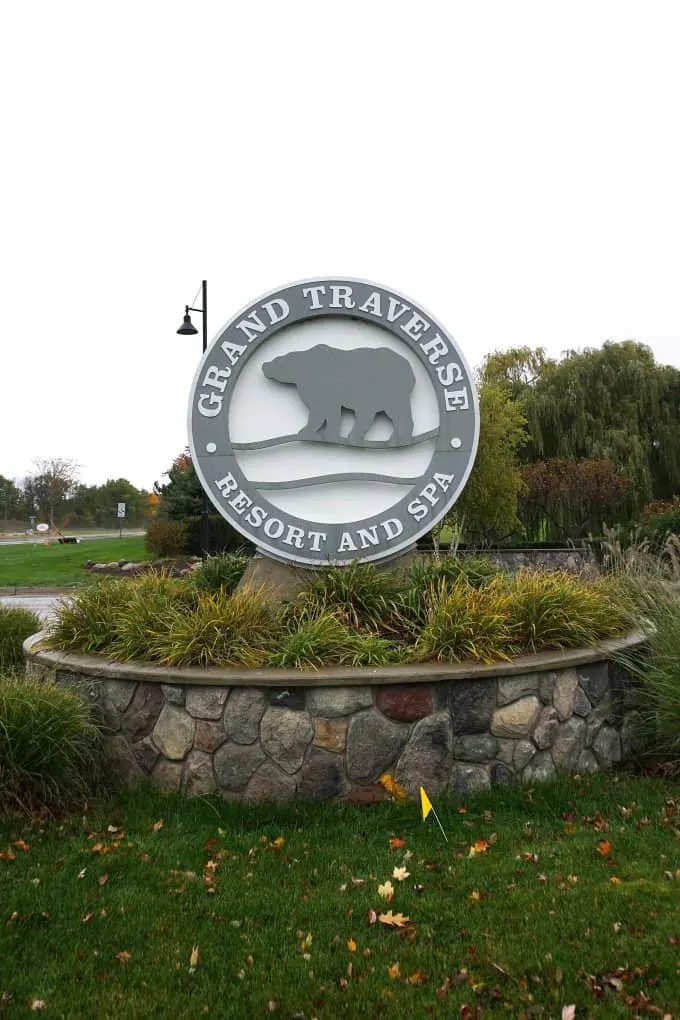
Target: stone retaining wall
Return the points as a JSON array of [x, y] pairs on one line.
[[333, 734]]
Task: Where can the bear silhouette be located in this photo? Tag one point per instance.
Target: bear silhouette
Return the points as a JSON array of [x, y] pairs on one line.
[[366, 380]]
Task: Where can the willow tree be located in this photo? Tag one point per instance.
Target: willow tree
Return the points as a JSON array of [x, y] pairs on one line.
[[612, 403]]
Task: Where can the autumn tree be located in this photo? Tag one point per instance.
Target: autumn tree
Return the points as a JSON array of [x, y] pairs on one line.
[[572, 498]]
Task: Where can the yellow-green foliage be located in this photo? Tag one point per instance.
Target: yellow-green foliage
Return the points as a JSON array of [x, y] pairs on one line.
[[15, 626]]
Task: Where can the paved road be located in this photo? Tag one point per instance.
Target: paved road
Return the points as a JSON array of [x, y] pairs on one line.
[[41, 605], [28, 539]]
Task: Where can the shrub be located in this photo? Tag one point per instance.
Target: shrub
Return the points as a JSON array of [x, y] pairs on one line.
[[324, 640], [167, 538], [220, 572], [48, 745], [463, 623], [367, 598], [15, 626], [222, 538], [661, 525]]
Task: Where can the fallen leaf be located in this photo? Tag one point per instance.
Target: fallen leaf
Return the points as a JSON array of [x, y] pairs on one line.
[[278, 842], [416, 979], [393, 970], [193, 959], [272, 1006], [372, 916], [86, 917], [20, 845], [157, 826], [604, 847], [568, 1012], [480, 846], [396, 843], [400, 874], [386, 890], [81, 874], [475, 895], [396, 920], [8, 856], [351, 945], [38, 1004], [306, 942], [103, 879], [615, 880], [124, 957]]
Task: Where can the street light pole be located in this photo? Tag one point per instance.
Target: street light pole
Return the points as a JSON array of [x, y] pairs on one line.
[[188, 329]]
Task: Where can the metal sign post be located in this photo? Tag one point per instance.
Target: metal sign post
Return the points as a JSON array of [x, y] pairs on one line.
[[121, 515]]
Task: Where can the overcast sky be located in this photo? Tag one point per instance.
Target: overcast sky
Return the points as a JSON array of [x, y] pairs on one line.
[[512, 166]]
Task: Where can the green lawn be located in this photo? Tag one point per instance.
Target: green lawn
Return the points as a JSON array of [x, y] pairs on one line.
[[40, 565], [572, 899]]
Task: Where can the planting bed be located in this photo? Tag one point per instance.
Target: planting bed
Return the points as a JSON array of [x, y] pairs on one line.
[[275, 734]]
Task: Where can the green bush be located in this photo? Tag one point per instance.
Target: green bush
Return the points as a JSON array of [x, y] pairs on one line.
[[476, 571], [222, 538], [48, 746], [15, 626], [325, 640], [659, 526], [220, 573], [167, 538], [367, 598]]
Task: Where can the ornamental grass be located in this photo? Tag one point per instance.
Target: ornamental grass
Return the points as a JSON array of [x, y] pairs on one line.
[[15, 626], [356, 616]]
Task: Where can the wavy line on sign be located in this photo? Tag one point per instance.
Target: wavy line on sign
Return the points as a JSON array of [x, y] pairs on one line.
[[367, 444], [351, 476]]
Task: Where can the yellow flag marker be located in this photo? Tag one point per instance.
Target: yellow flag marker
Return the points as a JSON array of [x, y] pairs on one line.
[[425, 803], [426, 807]]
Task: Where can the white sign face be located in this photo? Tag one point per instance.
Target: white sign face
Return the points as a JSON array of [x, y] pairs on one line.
[[42, 527], [333, 420], [121, 509]]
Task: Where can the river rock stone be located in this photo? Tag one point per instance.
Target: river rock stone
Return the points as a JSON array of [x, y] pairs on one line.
[[471, 704], [546, 686], [469, 778], [174, 694], [426, 758], [546, 728], [321, 776], [594, 679], [209, 735], [564, 692], [517, 719], [540, 769], [331, 734], [502, 775], [506, 751], [146, 754], [373, 742], [206, 702], [242, 714], [235, 764], [198, 778], [568, 743], [599, 717], [118, 693], [582, 705], [587, 763], [524, 752], [293, 698], [475, 747], [168, 775], [607, 747], [330, 702], [173, 734], [513, 688], [404, 702], [270, 784], [285, 735], [142, 712]]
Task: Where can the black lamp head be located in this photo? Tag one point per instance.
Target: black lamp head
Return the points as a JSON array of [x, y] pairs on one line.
[[187, 328]]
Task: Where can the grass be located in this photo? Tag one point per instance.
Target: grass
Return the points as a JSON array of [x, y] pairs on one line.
[[15, 626], [40, 565], [571, 899]]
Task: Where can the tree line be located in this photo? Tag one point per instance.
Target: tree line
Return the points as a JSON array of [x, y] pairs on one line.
[[53, 494]]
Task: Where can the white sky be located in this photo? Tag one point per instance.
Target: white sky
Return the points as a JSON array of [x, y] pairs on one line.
[[513, 166]]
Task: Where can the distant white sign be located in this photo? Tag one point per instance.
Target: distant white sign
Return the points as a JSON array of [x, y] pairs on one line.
[[121, 509], [42, 527]]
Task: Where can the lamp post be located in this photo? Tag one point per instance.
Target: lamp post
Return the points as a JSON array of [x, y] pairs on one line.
[[188, 329]]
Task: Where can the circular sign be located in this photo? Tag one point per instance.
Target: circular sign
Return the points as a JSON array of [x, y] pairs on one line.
[[333, 420], [42, 527]]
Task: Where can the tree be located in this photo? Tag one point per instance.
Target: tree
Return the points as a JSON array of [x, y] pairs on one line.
[[182, 496], [12, 503], [487, 509], [55, 481], [572, 498]]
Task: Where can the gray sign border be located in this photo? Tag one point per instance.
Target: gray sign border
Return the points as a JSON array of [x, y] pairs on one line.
[[221, 464]]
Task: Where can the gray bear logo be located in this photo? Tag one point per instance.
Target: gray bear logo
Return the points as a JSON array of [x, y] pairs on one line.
[[367, 381]]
